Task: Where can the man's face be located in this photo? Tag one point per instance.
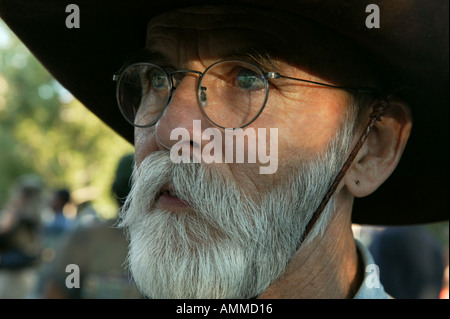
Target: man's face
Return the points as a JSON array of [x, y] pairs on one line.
[[224, 230], [306, 116]]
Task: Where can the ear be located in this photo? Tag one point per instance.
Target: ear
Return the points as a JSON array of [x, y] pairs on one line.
[[381, 151]]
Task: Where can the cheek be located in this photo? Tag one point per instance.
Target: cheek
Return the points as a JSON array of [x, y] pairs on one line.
[[144, 143], [306, 123]]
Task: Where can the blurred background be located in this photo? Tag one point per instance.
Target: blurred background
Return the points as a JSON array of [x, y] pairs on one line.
[[58, 164], [44, 130]]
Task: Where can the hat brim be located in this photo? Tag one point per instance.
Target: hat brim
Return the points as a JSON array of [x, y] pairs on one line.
[[411, 46]]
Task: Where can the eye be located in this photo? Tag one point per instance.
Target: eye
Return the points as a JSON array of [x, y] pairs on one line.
[[249, 80], [158, 79]]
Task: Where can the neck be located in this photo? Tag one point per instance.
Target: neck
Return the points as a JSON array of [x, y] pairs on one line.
[[327, 267]]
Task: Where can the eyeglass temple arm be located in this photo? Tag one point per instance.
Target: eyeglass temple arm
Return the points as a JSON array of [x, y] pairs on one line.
[[276, 75]]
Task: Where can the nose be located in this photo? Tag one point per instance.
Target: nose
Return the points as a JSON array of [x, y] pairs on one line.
[[181, 112]]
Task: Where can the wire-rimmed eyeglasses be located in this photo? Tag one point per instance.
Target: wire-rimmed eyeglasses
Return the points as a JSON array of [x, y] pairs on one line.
[[231, 93]]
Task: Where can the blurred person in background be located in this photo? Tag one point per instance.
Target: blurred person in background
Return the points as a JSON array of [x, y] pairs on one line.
[[411, 262], [86, 214], [20, 238], [60, 224], [99, 250], [54, 232]]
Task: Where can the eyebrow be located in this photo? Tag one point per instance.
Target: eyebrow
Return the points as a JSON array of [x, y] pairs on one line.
[[256, 55], [146, 55]]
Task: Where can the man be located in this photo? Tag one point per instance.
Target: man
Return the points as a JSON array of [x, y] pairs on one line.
[[20, 240], [412, 260], [233, 232], [209, 227], [60, 224]]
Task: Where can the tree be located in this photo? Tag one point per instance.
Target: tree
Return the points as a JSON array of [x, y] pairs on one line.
[[44, 130]]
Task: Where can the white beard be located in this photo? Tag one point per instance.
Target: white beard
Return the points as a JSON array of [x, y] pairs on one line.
[[230, 246]]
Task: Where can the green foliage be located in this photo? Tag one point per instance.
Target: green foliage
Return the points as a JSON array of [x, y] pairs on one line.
[[45, 131]]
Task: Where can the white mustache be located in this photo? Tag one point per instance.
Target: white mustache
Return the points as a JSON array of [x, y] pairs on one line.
[[205, 189]]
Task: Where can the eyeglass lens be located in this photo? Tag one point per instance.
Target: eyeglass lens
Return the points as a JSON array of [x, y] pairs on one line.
[[230, 93]]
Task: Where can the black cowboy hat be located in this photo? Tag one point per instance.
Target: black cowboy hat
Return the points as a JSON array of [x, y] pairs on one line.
[[410, 46]]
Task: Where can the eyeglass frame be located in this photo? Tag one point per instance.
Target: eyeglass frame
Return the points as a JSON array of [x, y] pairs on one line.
[[266, 76]]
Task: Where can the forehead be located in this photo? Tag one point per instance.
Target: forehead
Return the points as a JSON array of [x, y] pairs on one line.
[[213, 32], [216, 30]]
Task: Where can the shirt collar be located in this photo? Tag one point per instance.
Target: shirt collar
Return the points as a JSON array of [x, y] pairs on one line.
[[371, 287]]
